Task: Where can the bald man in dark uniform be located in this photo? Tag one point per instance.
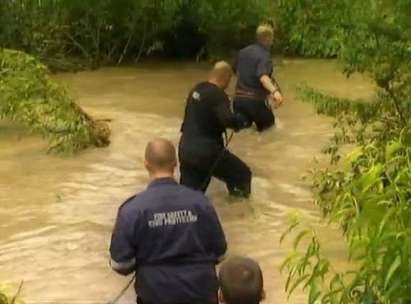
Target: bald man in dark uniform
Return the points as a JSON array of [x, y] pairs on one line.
[[202, 152], [169, 235]]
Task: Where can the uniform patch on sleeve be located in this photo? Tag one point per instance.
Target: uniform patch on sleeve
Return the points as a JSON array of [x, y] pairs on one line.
[[196, 96], [172, 218]]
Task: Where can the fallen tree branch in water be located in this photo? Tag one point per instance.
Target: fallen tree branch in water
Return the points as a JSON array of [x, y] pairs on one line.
[[29, 96]]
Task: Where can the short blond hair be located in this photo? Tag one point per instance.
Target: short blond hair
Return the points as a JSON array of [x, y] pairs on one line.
[[264, 31]]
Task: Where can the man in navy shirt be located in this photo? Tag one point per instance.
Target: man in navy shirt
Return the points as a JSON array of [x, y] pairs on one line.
[[255, 88], [169, 235], [202, 152]]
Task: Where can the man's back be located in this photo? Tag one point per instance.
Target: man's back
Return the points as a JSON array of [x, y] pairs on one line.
[[201, 113], [250, 64], [202, 153], [176, 239]]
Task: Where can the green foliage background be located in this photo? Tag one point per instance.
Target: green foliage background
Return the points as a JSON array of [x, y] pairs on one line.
[[367, 192], [69, 34]]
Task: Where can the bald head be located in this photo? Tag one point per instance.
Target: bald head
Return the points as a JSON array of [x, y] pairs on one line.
[[160, 156], [241, 281], [221, 74]]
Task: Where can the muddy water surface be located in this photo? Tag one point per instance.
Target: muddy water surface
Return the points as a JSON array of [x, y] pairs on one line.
[[57, 213]]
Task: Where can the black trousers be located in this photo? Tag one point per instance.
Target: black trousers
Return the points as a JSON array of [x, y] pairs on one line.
[[200, 160], [256, 111]]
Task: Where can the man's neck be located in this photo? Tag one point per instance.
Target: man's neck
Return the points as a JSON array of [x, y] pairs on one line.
[[159, 175], [264, 45], [214, 82]]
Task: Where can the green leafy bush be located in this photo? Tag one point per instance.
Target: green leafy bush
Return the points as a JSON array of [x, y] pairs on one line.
[[98, 32], [369, 196], [311, 28], [231, 24], [29, 96], [367, 192]]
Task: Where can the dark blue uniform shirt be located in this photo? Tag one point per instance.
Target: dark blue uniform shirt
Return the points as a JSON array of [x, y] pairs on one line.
[[250, 64], [174, 238]]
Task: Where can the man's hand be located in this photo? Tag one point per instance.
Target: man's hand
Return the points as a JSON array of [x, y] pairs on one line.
[[276, 99]]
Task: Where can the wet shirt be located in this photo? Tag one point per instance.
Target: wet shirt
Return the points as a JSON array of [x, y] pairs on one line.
[[250, 64], [208, 114], [172, 236]]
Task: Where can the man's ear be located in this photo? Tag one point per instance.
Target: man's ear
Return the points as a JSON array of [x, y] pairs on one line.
[[263, 295], [220, 297], [147, 165]]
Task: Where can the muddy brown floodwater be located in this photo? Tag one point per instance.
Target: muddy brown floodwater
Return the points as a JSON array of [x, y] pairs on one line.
[[57, 213]]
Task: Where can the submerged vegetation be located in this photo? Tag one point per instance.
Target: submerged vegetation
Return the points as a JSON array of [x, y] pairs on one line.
[[3, 298], [367, 192], [29, 96], [7, 298]]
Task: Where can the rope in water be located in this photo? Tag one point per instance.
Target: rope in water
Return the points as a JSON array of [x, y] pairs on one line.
[[123, 291]]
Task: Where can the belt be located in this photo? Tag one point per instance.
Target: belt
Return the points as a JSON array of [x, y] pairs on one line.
[[249, 94]]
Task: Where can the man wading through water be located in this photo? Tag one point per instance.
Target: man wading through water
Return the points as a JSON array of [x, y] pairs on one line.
[[256, 90], [169, 235], [202, 152]]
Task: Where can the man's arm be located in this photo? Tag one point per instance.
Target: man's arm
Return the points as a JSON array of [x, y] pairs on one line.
[[227, 118], [275, 93], [216, 235], [122, 247], [264, 70], [268, 84]]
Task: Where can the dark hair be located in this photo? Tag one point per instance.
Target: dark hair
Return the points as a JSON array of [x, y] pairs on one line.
[[241, 281]]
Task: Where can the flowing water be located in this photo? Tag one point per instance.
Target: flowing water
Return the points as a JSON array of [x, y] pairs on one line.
[[57, 213]]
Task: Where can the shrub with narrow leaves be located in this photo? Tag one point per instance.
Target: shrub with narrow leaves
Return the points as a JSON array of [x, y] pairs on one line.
[[367, 192]]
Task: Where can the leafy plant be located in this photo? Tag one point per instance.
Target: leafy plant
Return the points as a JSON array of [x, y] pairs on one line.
[[66, 34], [366, 192], [6, 296], [29, 96], [308, 28], [3, 299], [370, 200]]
